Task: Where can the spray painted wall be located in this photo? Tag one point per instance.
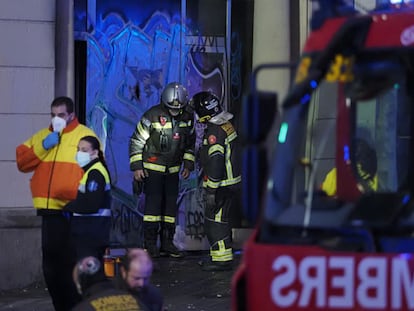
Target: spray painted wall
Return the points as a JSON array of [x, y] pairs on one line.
[[134, 48]]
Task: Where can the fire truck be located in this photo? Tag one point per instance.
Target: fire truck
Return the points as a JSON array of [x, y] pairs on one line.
[[332, 197]]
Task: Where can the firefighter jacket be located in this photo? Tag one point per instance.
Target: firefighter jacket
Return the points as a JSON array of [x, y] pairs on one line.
[[329, 183], [93, 197], [161, 142], [219, 154], [56, 173]]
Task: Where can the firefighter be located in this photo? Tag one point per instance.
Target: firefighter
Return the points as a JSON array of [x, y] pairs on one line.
[[162, 142], [366, 170], [221, 177]]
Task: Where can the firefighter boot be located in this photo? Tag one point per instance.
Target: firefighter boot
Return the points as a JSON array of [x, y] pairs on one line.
[[150, 241], [167, 246]]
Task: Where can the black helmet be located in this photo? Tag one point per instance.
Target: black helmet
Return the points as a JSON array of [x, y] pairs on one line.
[[174, 96], [206, 105]]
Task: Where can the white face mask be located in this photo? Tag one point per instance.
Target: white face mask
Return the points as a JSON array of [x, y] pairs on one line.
[[58, 124], [83, 158]]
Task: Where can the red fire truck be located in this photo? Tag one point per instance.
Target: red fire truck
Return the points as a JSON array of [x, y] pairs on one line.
[[334, 195]]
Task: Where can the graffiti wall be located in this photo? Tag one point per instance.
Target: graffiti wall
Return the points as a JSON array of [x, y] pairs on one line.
[[134, 48]]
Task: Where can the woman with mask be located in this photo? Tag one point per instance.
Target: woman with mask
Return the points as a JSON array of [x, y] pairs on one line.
[[91, 221]]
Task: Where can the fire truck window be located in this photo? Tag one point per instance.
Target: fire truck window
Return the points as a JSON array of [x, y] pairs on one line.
[[383, 122]]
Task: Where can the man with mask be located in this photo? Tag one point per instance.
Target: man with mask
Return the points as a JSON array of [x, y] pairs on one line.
[[50, 154], [163, 139]]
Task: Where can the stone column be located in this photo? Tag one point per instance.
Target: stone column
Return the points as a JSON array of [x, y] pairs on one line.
[[64, 74]]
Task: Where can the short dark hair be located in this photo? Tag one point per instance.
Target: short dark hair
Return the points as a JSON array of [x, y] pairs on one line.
[[93, 141], [63, 100]]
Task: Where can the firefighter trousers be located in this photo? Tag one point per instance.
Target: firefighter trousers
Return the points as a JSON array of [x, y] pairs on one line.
[[217, 226]]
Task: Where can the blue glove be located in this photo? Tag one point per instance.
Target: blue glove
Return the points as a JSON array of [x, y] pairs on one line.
[[51, 140]]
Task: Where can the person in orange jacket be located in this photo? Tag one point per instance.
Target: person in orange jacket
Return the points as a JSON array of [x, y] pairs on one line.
[[50, 155]]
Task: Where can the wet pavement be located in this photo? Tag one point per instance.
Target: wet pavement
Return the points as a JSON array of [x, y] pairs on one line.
[[183, 284]]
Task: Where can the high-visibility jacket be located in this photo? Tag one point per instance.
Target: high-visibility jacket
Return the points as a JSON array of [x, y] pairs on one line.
[[329, 183], [161, 142], [56, 173], [94, 196], [219, 156]]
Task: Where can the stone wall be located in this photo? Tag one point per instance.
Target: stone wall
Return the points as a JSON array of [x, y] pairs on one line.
[[27, 69]]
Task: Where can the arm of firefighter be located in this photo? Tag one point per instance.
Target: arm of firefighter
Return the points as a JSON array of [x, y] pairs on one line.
[[137, 143], [92, 199], [215, 167], [31, 153], [189, 157]]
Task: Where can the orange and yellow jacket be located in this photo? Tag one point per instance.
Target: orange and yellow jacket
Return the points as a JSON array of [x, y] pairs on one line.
[[56, 173]]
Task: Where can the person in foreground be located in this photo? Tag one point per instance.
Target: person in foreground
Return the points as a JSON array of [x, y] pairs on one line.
[[50, 155], [222, 177], [136, 270], [99, 293]]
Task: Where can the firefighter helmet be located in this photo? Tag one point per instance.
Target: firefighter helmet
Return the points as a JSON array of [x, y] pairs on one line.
[[206, 105], [174, 96]]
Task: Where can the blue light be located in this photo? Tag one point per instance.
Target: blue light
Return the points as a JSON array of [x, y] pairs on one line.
[[314, 84], [346, 153], [406, 256], [305, 99], [406, 199]]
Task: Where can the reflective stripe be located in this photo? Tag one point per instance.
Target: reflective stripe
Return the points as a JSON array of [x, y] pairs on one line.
[[216, 148], [182, 124], [230, 138], [158, 125], [189, 157], [161, 168], [135, 157], [229, 168], [217, 216], [222, 254], [103, 212], [174, 169], [168, 219], [152, 218], [228, 182], [155, 167], [142, 131]]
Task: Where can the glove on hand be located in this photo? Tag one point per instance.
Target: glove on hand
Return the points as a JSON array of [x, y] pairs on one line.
[[51, 140]]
